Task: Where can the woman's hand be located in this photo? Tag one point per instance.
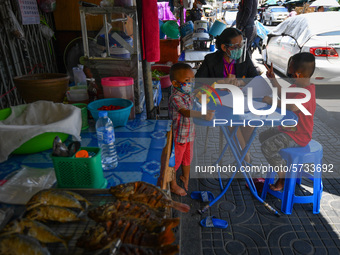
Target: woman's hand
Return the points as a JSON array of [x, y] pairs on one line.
[[231, 79]]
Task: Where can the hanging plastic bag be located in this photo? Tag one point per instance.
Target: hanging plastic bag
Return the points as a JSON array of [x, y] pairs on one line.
[[14, 25], [46, 31], [47, 5], [23, 184]]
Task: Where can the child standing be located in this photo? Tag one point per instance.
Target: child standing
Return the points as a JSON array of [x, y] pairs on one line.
[[300, 67], [181, 113]]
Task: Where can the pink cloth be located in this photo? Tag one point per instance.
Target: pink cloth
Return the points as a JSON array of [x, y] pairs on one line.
[[150, 31], [164, 12]]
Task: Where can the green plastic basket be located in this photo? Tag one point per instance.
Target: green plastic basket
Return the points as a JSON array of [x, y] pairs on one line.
[[83, 108], [74, 172]]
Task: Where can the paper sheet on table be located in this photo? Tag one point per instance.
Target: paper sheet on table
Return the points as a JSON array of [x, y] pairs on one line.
[[260, 87], [227, 100]]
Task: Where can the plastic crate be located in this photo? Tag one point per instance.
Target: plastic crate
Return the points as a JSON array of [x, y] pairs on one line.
[[84, 117], [74, 172]]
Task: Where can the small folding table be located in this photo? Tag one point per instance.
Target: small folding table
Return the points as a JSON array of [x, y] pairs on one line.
[[223, 113]]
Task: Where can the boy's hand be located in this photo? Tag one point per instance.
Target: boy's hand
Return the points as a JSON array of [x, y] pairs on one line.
[[210, 115], [267, 100], [270, 71], [196, 91]]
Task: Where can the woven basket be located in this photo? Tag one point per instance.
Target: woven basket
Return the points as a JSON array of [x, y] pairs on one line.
[[45, 86]]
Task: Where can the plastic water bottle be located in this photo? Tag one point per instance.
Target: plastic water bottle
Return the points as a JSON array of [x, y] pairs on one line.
[[106, 141]]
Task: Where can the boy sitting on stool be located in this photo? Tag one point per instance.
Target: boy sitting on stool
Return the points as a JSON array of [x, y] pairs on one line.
[[301, 67], [181, 113]]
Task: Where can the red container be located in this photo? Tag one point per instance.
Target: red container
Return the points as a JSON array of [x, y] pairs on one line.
[[165, 80], [119, 87], [169, 51]]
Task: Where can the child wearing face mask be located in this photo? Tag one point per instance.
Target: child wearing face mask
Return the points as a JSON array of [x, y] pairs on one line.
[[300, 68], [180, 107]]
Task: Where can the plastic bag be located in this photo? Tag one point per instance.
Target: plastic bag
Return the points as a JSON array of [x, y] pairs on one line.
[[47, 5], [5, 216], [21, 185], [15, 27], [46, 31]]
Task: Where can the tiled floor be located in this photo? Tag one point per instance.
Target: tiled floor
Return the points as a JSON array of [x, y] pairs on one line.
[[254, 230]]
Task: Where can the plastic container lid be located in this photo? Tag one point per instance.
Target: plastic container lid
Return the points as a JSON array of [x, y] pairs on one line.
[[102, 114], [117, 81], [82, 154]]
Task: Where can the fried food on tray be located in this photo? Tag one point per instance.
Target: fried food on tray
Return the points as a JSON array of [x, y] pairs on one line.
[[128, 231], [78, 197], [20, 244], [120, 208], [52, 213], [141, 213], [55, 198], [34, 229], [148, 194]]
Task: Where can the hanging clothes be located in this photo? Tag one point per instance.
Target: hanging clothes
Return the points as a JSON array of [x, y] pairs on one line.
[[150, 31]]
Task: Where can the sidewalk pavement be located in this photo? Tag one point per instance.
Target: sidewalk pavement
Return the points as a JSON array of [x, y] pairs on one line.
[[252, 229]]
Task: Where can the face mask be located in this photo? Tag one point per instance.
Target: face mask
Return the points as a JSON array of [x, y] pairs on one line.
[[236, 54], [187, 87], [199, 6]]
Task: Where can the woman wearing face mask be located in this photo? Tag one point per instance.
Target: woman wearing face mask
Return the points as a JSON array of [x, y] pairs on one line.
[[230, 64], [226, 62]]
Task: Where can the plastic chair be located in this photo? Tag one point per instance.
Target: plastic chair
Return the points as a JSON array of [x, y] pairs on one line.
[[312, 153]]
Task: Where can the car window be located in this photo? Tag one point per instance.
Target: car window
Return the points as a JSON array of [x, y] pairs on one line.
[[330, 33], [279, 10]]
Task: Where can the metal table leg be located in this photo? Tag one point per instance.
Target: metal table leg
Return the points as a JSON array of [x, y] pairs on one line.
[[239, 156]]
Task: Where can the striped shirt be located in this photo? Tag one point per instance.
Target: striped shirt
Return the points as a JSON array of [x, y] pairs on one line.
[[183, 127]]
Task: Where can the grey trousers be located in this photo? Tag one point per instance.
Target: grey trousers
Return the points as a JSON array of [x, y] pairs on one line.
[[272, 141], [250, 33]]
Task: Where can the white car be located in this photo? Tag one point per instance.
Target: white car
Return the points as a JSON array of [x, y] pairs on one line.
[[230, 17], [317, 33], [275, 14]]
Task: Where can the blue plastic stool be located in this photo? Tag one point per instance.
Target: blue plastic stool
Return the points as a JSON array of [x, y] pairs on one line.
[[312, 153]]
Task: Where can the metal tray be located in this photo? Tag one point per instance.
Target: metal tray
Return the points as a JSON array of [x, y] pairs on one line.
[[74, 230]]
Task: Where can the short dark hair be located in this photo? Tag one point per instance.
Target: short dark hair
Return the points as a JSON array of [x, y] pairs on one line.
[[226, 36], [176, 67], [303, 62]]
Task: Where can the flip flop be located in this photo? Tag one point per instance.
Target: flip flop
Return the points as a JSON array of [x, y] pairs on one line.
[[204, 196], [258, 182], [213, 222]]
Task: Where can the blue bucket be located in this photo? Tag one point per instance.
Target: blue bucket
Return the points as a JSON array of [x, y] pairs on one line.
[[217, 28], [119, 117], [187, 28]]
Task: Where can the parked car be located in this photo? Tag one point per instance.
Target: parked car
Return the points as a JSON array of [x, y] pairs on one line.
[[274, 14], [230, 17], [208, 10], [316, 33]]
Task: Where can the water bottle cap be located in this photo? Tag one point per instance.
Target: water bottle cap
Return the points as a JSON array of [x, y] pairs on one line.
[[102, 114]]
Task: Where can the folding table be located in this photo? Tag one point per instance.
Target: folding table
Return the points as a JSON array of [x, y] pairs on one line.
[[226, 113]]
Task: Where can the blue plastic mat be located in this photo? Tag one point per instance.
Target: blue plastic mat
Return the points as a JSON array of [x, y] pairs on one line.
[[139, 146]]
